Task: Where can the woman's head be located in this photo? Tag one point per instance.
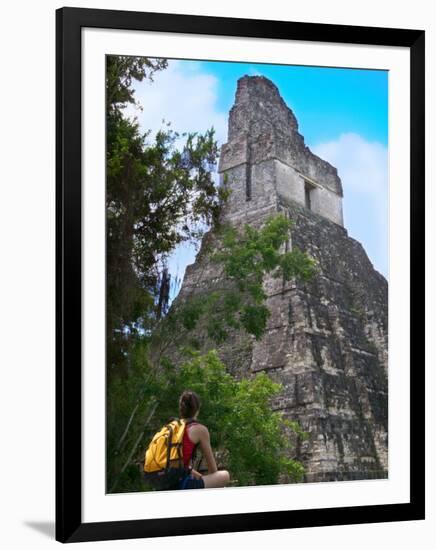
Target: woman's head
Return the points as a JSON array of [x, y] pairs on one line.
[[189, 404]]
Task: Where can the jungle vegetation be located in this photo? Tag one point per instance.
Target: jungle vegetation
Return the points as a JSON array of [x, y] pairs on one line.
[[159, 195]]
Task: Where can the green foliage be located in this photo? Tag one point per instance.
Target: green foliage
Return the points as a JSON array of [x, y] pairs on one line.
[[299, 264], [129, 401], [248, 436], [122, 71], [249, 439], [245, 258], [159, 193]]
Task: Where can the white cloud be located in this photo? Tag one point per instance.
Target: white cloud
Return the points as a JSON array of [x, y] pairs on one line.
[[362, 165], [363, 169], [187, 98], [184, 96], [253, 71]]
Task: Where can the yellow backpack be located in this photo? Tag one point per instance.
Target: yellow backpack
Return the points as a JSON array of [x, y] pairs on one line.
[[163, 461]]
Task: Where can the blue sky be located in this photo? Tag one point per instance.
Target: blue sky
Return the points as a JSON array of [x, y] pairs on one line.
[[342, 114], [326, 101]]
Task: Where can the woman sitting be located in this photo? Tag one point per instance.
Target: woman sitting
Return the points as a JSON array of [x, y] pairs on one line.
[[197, 434]]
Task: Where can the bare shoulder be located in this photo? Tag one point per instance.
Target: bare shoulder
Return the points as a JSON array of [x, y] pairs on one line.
[[198, 432]]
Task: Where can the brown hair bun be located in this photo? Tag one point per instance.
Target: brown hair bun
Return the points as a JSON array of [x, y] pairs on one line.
[[189, 403]]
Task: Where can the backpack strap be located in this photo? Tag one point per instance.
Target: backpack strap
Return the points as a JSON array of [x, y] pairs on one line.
[[192, 421], [194, 451], [170, 444]]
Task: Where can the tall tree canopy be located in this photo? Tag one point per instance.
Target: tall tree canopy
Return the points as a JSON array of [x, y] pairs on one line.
[[157, 196]]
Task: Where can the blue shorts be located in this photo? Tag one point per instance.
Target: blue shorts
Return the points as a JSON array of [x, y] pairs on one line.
[[190, 482]]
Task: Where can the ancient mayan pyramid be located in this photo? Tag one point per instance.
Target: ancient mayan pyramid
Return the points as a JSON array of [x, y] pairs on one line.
[[326, 340]]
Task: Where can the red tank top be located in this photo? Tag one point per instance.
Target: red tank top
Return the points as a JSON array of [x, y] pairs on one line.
[[188, 445]]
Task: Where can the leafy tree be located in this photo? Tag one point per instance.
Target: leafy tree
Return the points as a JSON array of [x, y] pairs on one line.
[[121, 72], [248, 438], [149, 395], [157, 196], [246, 259], [238, 300]]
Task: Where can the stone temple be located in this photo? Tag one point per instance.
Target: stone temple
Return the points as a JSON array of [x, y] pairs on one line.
[[326, 340]]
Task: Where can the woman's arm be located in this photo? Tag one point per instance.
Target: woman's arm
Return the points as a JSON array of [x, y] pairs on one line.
[[207, 450]]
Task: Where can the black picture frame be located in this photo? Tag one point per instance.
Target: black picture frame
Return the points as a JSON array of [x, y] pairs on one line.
[[69, 525]]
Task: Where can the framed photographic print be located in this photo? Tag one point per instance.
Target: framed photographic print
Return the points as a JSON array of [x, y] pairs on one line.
[[240, 275]]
